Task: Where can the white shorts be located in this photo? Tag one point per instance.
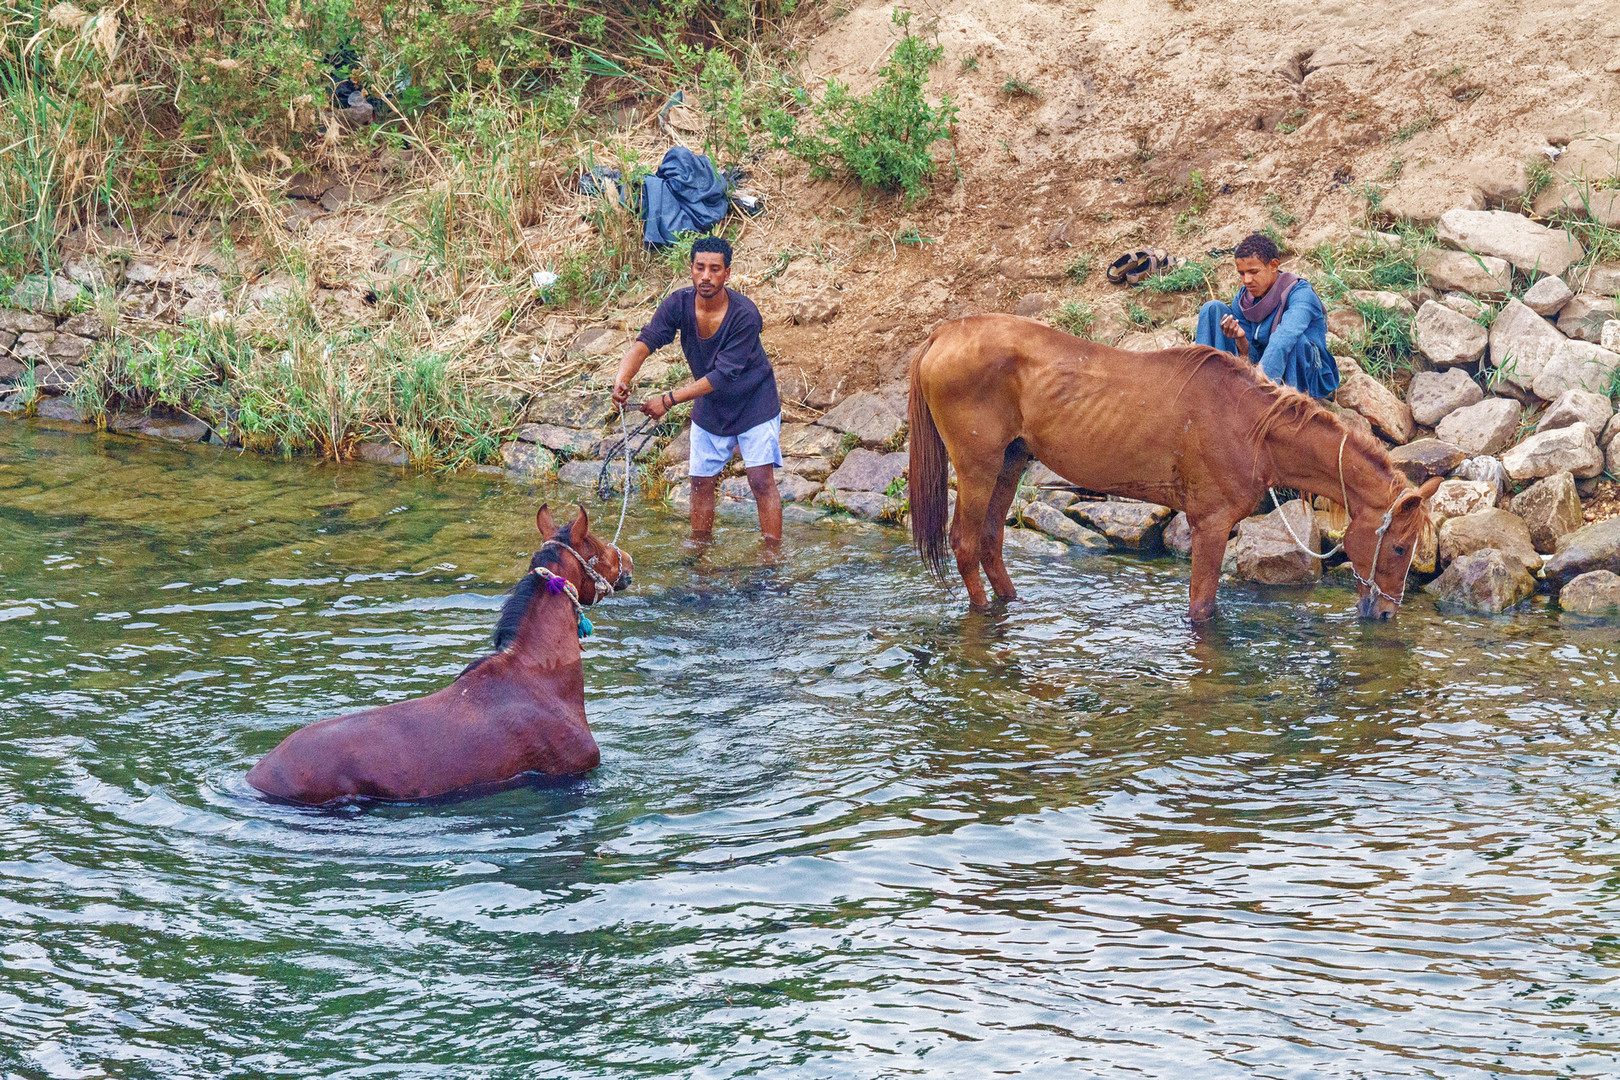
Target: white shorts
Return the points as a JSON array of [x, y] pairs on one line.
[[760, 445]]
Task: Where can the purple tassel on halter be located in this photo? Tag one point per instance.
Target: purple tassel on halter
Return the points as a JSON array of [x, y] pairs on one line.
[[555, 584]]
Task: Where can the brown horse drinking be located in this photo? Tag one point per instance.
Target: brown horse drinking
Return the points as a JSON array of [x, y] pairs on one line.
[[519, 711], [1194, 429]]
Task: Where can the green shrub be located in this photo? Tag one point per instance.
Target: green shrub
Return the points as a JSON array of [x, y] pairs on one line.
[[1384, 345], [1080, 268], [1075, 317], [883, 139], [1191, 275]]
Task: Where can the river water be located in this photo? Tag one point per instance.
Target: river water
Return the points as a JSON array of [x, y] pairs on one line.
[[842, 828]]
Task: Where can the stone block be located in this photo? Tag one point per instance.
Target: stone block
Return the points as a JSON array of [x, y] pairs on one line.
[[1387, 413], [1434, 395], [558, 439], [51, 295], [1551, 509], [1596, 593], [381, 453], [1264, 551], [810, 440], [1427, 458], [876, 419], [1531, 247], [1521, 343], [1576, 365], [1547, 296], [1447, 338], [1455, 498], [1493, 528], [790, 486], [1591, 547], [867, 470], [25, 322], [1582, 318], [1128, 526], [1482, 428], [1485, 580], [1058, 525], [1569, 449], [1577, 407], [528, 461], [1461, 271], [869, 505]]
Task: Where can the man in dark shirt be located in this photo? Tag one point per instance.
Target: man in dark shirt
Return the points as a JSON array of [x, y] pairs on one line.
[[733, 387]]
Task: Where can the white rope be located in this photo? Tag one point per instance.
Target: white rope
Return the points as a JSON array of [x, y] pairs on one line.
[[1295, 536], [624, 505]]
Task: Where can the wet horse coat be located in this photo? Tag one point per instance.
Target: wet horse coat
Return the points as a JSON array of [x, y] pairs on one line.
[[518, 711], [1193, 429]]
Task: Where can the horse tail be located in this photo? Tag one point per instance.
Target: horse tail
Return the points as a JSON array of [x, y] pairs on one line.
[[927, 482]]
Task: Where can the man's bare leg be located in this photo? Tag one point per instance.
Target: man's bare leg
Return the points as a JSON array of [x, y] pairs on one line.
[[762, 482], [703, 494]]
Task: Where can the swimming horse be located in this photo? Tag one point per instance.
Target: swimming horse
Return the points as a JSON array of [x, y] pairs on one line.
[[518, 711], [1192, 428]]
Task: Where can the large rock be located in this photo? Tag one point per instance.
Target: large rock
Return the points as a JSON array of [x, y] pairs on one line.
[[585, 474], [870, 505], [1493, 528], [876, 419], [1129, 526], [55, 295], [1369, 397], [1177, 537], [1434, 395], [1484, 581], [1591, 547], [1030, 542], [25, 322], [1582, 318], [558, 439], [1265, 552], [1595, 593], [790, 486], [52, 345], [1601, 280], [1055, 523], [1570, 449], [816, 468], [527, 461], [867, 470], [1610, 338], [1531, 248], [1459, 271], [810, 440], [381, 453], [1521, 343], [64, 409], [1577, 407], [1389, 301], [1482, 428], [1446, 337], [1455, 498], [1583, 181], [1427, 457], [1551, 509], [1547, 296], [1576, 365]]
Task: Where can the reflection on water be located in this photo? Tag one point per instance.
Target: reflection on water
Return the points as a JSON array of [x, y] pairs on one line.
[[841, 829]]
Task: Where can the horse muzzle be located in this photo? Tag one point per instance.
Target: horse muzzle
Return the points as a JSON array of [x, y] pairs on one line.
[[1373, 606]]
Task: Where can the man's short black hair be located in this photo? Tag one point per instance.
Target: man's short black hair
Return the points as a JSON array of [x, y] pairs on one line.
[[716, 244], [1257, 246]]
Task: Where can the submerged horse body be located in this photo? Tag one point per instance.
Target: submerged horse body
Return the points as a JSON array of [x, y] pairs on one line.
[[1193, 429], [518, 711]]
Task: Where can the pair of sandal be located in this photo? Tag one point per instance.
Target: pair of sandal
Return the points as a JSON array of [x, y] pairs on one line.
[[1134, 267]]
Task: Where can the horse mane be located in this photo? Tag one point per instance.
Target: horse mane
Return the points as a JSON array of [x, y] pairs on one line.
[[1286, 410], [525, 591]]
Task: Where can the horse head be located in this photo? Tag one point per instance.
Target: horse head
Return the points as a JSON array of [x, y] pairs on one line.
[[597, 567], [1381, 546]]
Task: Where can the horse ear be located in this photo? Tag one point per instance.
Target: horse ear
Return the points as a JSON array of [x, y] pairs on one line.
[[581, 527], [543, 522], [1430, 486]]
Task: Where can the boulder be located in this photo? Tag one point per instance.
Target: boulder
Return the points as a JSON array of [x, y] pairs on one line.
[[1455, 498], [1521, 343], [1610, 337], [680, 447], [816, 468], [867, 470], [55, 295], [86, 324], [11, 371], [1582, 318], [1039, 475], [1447, 338], [1493, 528], [57, 376], [1264, 551], [1530, 247], [870, 505], [1389, 301], [1482, 428], [1601, 280], [1426, 458], [1434, 395], [61, 408], [585, 474], [1576, 365], [817, 306], [25, 322], [1591, 547], [13, 405], [381, 453], [1577, 407], [1583, 181], [1177, 537], [1460, 271], [588, 411], [790, 486], [1031, 542], [595, 341], [1551, 510], [1129, 526], [1369, 397], [1463, 304], [52, 345], [528, 461], [1569, 449], [1350, 418], [1486, 580], [810, 440], [643, 445], [1055, 523], [186, 429], [1594, 593], [1547, 296], [876, 419], [558, 439]]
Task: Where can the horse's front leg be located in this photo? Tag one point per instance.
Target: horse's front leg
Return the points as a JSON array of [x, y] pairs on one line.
[[1209, 536], [995, 521]]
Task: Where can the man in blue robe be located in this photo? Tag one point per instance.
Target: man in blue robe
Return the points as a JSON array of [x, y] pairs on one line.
[[1276, 320]]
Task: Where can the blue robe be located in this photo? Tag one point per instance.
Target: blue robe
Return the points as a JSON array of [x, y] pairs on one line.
[[1295, 355]]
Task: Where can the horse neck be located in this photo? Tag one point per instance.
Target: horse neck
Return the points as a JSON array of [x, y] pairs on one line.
[[1308, 458], [549, 634]]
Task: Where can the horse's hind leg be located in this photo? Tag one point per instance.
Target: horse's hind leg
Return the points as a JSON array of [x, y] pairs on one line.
[[969, 528], [1013, 463]]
